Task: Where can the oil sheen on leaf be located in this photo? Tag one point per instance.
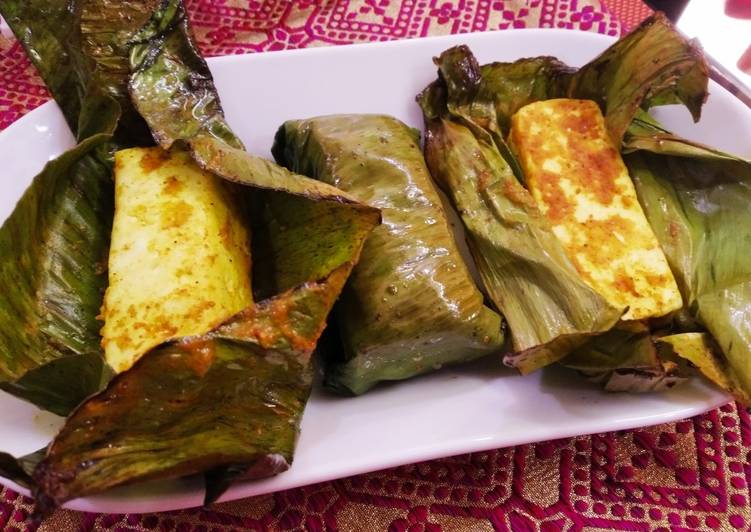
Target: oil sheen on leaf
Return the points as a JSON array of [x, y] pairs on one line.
[[410, 306]]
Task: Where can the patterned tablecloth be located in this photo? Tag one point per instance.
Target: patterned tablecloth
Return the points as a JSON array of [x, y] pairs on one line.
[[688, 475]]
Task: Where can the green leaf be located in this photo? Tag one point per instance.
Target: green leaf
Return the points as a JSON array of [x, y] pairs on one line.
[[697, 203], [189, 406], [410, 305], [527, 274], [80, 49], [62, 384], [171, 85], [53, 252], [652, 65], [646, 134]]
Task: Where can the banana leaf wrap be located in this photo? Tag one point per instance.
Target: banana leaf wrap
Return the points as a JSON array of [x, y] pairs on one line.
[[468, 114], [549, 309], [228, 402], [52, 251], [256, 366], [696, 198], [411, 305]]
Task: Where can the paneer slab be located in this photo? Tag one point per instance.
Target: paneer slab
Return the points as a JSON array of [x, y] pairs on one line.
[[179, 262], [579, 181]]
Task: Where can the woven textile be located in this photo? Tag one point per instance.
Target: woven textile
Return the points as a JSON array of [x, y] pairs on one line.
[[687, 475]]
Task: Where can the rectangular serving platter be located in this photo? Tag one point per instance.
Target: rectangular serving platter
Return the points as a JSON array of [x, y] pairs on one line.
[[456, 410]]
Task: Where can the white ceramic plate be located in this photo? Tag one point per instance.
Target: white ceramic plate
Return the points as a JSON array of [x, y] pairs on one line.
[[472, 408]]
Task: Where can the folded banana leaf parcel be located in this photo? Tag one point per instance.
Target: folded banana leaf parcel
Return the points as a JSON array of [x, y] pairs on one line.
[[411, 305], [609, 244], [164, 289]]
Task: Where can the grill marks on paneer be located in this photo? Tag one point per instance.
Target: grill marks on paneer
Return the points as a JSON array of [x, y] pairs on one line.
[[580, 183], [179, 261]]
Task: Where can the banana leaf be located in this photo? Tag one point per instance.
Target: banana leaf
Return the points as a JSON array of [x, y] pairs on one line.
[[702, 352], [625, 359], [696, 200], [549, 308], [171, 85], [652, 65], [80, 48], [19, 470], [410, 306], [226, 403], [646, 134], [52, 249], [468, 111]]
